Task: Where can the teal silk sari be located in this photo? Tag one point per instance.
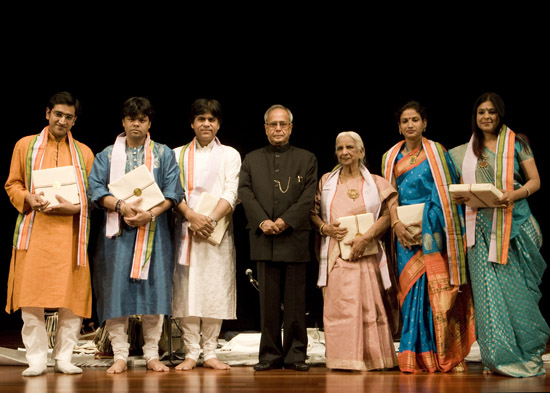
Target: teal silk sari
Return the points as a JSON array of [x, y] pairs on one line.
[[510, 329]]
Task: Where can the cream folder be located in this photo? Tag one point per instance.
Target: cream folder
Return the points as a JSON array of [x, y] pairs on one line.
[[56, 181], [409, 214], [206, 205], [138, 183], [356, 225], [480, 195]]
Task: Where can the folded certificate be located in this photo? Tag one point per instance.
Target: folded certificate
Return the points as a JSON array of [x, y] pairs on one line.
[[138, 183], [56, 181], [357, 225], [480, 195], [206, 205], [409, 214]]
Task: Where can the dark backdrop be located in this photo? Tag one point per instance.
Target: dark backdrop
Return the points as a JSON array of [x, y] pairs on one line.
[[329, 85]]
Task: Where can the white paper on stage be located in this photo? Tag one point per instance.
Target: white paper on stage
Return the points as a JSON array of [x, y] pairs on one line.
[[356, 225], [138, 183], [56, 181], [241, 350]]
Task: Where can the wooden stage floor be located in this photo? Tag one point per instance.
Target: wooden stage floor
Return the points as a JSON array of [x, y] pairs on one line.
[[243, 379]]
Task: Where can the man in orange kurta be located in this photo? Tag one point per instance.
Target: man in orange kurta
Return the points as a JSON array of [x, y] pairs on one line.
[[50, 270]]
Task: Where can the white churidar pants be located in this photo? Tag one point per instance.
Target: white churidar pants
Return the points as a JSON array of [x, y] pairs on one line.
[[35, 337], [200, 332], [151, 326]]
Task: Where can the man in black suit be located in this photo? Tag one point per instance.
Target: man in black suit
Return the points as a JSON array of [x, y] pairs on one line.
[[277, 187]]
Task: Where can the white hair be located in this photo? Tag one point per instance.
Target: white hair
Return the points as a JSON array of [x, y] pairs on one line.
[[358, 142], [277, 106]]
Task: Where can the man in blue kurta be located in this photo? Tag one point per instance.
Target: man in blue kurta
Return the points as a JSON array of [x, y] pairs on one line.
[[134, 256]]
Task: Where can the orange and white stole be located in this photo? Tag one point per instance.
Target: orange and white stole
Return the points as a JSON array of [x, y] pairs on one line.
[[143, 248], [371, 200], [442, 178], [194, 185], [33, 161], [504, 180]]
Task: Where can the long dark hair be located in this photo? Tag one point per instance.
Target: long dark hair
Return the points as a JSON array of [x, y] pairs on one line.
[[479, 137], [501, 110]]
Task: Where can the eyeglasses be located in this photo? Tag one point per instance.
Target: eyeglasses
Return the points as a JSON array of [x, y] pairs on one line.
[[284, 125], [67, 116]]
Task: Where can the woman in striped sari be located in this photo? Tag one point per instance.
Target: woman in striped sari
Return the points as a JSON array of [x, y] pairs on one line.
[[505, 264], [436, 303]]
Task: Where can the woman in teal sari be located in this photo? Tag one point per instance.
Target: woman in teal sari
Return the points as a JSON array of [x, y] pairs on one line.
[[505, 263], [436, 303]]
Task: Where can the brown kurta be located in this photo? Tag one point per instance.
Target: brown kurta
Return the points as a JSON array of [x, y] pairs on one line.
[[46, 275]]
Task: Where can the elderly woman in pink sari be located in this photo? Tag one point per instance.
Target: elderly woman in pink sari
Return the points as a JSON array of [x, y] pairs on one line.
[[357, 328]]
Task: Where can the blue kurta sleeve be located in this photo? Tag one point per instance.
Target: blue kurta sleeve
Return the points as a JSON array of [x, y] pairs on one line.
[[99, 178]]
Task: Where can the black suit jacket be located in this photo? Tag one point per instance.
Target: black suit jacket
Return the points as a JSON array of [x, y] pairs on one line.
[[291, 198]]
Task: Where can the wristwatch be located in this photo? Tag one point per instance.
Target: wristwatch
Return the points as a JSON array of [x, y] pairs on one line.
[[214, 222], [152, 215]]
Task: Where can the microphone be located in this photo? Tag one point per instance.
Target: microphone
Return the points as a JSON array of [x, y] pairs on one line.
[[251, 278], [248, 273]]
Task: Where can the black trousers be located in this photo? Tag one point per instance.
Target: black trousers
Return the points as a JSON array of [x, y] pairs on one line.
[[282, 282]]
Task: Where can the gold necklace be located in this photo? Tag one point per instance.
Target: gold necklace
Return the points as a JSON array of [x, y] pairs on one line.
[[412, 160], [352, 193], [483, 162]]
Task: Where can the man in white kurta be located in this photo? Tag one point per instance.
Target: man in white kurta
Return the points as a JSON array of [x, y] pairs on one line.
[[204, 287]]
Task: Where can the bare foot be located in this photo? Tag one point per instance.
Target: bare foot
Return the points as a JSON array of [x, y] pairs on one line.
[[216, 364], [186, 365], [486, 371], [156, 365], [118, 367]]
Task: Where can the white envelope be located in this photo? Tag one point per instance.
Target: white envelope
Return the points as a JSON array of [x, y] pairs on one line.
[[56, 181], [138, 183], [409, 214], [356, 225], [206, 205], [480, 195]]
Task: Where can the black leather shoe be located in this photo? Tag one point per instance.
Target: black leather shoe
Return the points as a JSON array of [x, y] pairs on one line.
[[298, 366], [264, 365]]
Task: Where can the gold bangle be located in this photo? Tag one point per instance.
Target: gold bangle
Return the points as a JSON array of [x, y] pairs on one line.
[[395, 223], [528, 191], [321, 230]]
